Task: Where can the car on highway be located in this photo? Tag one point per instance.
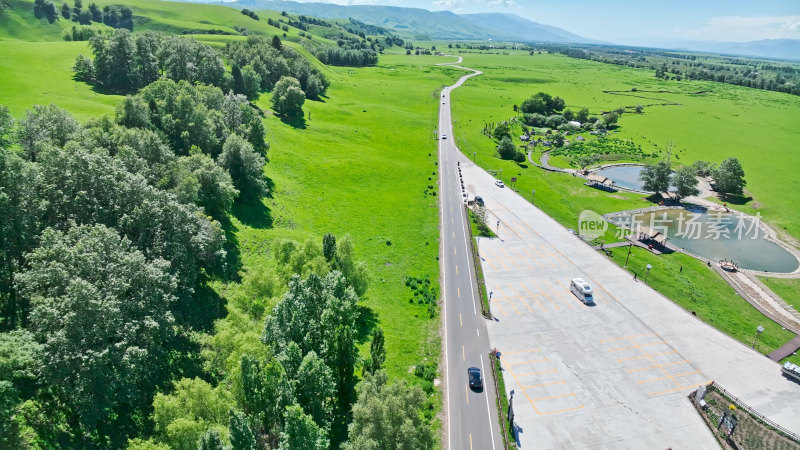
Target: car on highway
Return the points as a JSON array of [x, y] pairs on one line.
[[444, 136], [479, 200], [582, 290], [475, 378], [499, 183]]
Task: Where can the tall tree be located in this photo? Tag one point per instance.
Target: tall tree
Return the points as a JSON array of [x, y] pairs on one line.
[[288, 97], [19, 230], [193, 407], [387, 416], [656, 177], [266, 391], [314, 389], [329, 246], [101, 311], [377, 352], [729, 177], [245, 166], [301, 433], [242, 437], [210, 440], [685, 181], [45, 125]]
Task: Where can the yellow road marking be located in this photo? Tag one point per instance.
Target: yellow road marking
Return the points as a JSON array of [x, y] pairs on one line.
[[647, 356], [456, 270], [454, 250], [658, 366], [545, 384], [522, 351], [466, 392], [463, 355], [681, 387], [571, 394], [470, 441], [458, 291], [671, 377], [526, 362]]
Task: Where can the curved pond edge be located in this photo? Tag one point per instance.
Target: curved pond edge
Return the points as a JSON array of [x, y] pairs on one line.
[[769, 234], [621, 188]]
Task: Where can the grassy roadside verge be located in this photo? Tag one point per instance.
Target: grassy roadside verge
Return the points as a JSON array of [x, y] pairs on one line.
[[502, 403], [475, 231]]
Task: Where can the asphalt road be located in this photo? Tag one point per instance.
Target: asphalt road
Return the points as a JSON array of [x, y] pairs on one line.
[[471, 414]]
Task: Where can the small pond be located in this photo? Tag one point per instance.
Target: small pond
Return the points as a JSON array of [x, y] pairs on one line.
[[624, 176], [716, 236]]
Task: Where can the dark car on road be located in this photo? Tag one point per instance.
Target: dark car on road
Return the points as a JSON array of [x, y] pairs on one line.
[[475, 379]]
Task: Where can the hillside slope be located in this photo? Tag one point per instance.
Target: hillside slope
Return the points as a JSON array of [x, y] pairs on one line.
[[423, 24]]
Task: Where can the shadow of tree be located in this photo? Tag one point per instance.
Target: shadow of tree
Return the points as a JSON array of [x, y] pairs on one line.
[[252, 212], [199, 311], [298, 122], [233, 256], [366, 323], [735, 199]]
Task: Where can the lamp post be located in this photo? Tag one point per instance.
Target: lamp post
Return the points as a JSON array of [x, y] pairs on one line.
[[648, 273], [511, 410], [759, 330], [629, 254], [473, 156], [490, 295], [533, 194]]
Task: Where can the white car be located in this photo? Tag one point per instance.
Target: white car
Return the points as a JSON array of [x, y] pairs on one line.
[[499, 183], [444, 136]]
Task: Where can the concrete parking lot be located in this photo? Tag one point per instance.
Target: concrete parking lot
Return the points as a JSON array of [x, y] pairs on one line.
[[613, 375]]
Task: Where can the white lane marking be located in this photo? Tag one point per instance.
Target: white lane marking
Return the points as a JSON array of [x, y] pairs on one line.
[[463, 354], [469, 270], [478, 330], [466, 392], [460, 321], [489, 411], [456, 270]]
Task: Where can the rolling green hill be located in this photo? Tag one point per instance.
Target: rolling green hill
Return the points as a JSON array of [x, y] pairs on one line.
[[423, 24]]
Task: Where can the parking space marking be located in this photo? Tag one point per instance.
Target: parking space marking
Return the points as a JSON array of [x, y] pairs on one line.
[[522, 351], [542, 383], [530, 386], [510, 286], [658, 369]]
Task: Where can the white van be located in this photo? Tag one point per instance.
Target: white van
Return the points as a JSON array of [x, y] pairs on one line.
[[582, 290]]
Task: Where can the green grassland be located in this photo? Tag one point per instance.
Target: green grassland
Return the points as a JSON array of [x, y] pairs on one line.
[[360, 164], [705, 126], [711, 121], [17, 22], [787, 288], [41, 73]]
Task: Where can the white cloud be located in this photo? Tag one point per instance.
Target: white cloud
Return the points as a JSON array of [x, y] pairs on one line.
[[741, 29]]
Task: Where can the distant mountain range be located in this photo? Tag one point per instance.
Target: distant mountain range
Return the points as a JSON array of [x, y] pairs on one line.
[[422, 24], [419, 23], [767, 48]]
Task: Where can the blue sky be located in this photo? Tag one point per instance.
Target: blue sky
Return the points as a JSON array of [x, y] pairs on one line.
[[640, 22]]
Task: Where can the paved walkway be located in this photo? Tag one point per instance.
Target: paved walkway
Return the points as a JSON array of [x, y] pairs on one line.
[[786, 350]]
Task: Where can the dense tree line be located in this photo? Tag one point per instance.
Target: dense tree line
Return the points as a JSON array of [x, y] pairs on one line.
[[115, 16], [106, 250], [347, 57], [749, 72], [45, 9], [250, 14], [271, 61], [126, 62]]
